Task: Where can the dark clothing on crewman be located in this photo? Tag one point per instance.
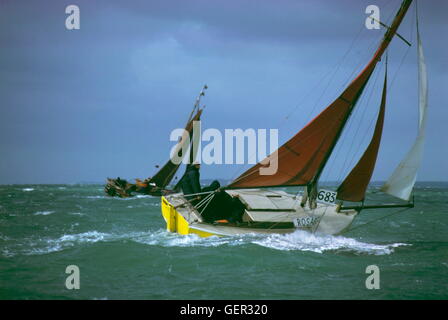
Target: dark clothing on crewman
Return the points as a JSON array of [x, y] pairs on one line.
[[190, 181], [222, 206], [190, 184]]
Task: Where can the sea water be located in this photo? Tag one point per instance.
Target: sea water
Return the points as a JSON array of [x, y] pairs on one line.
[[123, 251]]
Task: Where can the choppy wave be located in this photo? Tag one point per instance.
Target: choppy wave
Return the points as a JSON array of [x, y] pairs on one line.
[[77, 213], [43, 213], [297, 241], [27, 189], [139, 196], [304, 241]]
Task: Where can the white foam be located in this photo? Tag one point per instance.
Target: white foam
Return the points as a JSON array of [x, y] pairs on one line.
[[77, 213], [169, 239], [139, 196], [27, 189], [7, 254], [3, 237], [305, 241], [43, 213], [298, 241], [91, 236]]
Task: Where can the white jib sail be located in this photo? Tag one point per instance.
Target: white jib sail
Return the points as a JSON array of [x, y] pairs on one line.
[[402, 180]]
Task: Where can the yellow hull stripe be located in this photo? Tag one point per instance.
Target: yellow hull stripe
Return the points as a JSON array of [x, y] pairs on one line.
[[175, 222]]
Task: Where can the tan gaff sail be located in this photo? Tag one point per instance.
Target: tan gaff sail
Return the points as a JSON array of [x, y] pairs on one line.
[[355, 184], [402, 180], [303, 157]]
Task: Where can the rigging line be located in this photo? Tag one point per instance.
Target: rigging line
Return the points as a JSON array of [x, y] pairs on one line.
[[203, 201], [208, 202], [279, 157], [350, 163], [350, 124], [331, 73], [365, 55], [344, 168], [190, 200], [339, 147], [373, 43], [404, 56], [374, 220], [362, 141]]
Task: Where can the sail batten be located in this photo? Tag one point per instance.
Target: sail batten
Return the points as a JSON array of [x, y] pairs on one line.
[[402, 181], [301, 159]]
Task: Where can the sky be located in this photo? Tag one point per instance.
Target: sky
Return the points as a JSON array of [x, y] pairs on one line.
[[82, 105]]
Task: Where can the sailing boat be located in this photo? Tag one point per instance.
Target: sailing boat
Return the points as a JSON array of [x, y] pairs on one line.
[[157, 184], [301, 161]]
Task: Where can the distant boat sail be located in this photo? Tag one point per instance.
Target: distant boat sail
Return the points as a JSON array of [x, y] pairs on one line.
[[157, 184], [251, 207], [402, 180]]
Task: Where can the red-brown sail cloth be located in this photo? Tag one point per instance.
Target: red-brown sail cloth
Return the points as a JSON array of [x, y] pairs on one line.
[[355, 185], [302, 158]]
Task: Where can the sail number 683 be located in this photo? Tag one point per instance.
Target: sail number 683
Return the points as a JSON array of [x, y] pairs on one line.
[[326, 196]]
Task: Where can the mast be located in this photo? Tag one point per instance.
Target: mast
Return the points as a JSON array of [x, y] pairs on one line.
[[371, 66], [354, 187], [302, 159], [164, 176]]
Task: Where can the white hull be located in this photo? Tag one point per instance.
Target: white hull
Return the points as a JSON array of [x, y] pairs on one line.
[[266, 212]]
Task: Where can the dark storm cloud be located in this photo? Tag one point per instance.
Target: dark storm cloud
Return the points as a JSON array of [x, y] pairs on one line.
[[101, 101]]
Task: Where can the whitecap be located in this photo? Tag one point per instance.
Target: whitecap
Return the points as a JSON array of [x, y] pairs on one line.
[[43, 213], [77, 213], [169, 239], [4, 238], [90, 236], [139, 196], [305, 241], [297, 241], [27, 189], [7, 254]]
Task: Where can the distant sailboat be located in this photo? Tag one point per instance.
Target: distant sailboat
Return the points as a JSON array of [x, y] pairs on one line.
[[301, 161], [157, 184]]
